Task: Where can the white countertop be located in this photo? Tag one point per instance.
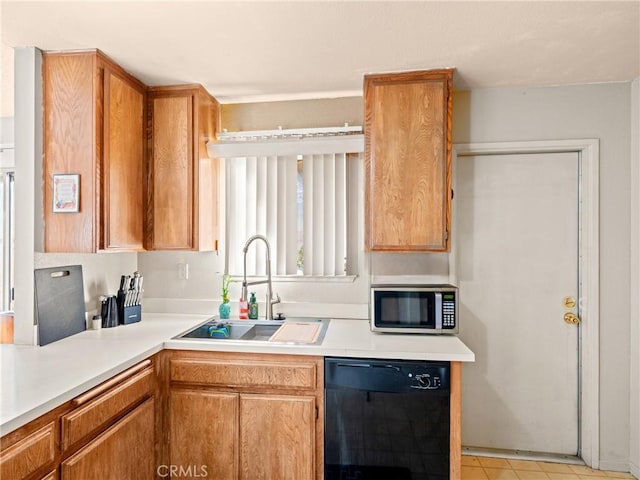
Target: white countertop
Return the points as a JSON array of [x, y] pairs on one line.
[[35, 380]]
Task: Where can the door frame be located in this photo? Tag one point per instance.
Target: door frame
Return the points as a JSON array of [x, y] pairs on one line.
[[588, 271]]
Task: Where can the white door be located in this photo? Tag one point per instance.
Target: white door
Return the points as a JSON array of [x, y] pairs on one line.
[[517, 259]]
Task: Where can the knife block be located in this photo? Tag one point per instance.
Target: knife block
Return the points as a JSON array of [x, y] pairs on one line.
[[130, 314]]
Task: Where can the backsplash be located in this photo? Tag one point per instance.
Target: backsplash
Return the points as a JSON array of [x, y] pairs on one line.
[[100, 272]]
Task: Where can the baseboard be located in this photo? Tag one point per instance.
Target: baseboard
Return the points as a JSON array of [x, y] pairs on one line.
[[635, 469], [613, 466], [522, 455]]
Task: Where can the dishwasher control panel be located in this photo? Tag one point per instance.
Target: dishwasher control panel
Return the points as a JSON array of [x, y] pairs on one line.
[[393, 376], [425, 381]]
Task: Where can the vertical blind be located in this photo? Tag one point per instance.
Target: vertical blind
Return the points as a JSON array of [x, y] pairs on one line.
[[299, 202]]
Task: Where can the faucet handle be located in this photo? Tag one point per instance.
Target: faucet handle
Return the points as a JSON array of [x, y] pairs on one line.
[[277, 300]]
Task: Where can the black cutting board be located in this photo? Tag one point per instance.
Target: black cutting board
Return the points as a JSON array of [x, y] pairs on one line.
[[59, 298]]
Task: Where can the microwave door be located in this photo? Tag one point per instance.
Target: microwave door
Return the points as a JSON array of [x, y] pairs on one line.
[[405, 313], [388, 308]]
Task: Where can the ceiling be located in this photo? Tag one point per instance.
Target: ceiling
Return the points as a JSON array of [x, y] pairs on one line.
[[260, 51]]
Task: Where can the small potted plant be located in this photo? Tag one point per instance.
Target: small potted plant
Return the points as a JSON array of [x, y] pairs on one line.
[[225, 308]]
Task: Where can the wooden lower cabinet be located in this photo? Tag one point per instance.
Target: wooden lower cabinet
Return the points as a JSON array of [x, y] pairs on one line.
[[277, 437], [125, 450], [271, 436], [203, 433], [30, 454], [246, 416], [107, 432]]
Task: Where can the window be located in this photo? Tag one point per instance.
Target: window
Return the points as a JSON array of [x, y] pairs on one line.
[[298, 199], [7, 225]]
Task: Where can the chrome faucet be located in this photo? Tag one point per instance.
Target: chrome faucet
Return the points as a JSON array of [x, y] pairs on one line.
[[270, 300]]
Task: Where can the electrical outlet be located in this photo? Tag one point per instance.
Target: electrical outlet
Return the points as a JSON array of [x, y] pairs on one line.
[[183, 271]]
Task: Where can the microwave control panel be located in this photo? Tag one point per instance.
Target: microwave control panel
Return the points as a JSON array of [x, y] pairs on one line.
[[449, 310]]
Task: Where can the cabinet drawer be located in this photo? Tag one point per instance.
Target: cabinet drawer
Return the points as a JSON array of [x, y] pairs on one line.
[[125, 451], [245, 373], [29, 454], [103, 409]]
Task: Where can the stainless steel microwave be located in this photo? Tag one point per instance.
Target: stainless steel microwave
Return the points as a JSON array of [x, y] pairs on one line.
[[414, 309]]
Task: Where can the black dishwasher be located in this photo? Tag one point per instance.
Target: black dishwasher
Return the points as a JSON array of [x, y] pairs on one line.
[[386, 419]]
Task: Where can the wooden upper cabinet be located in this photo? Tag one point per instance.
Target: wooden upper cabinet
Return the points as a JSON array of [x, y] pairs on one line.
[[123, 173], [183, 180], [93, 126], [408, 161]]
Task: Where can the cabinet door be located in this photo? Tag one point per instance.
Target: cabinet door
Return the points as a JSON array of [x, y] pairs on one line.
[[277, 437], [203, 433], [123, 175], [30, 454], [125, 450], [69, 142], [208, 175], [172, 172], [408, 161]]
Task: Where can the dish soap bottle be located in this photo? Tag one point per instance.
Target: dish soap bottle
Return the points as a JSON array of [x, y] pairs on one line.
[[244, 310], [253, 307]]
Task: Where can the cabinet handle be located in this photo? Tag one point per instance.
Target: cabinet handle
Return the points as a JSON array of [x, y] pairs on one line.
[[100, 389]]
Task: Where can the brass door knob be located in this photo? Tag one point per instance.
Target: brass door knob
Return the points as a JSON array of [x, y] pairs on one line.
[[571, 318]]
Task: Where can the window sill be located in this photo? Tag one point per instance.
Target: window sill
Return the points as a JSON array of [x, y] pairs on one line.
[[301, 278]]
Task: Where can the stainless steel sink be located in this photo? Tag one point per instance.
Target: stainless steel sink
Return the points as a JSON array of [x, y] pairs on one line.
[[260, 332], [246, 330], [211, 329]]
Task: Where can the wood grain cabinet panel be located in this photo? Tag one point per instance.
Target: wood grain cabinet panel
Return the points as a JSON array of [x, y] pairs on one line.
[[125, 450], [204, 433], [124, 193], [408, 161], [183, 194], [94, 126], [264, 411], [277, 437], [30, 454], [89, 418], [238, 373]]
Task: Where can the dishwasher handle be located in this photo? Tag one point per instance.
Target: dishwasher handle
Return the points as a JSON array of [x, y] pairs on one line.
[[367, 365]]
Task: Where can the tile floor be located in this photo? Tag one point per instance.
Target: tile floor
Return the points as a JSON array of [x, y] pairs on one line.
[[488, 468]]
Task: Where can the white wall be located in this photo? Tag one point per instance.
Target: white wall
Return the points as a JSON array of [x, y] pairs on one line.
[[586, 111], [28, 145], [6, 80], [634, 444], [6, 130]]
